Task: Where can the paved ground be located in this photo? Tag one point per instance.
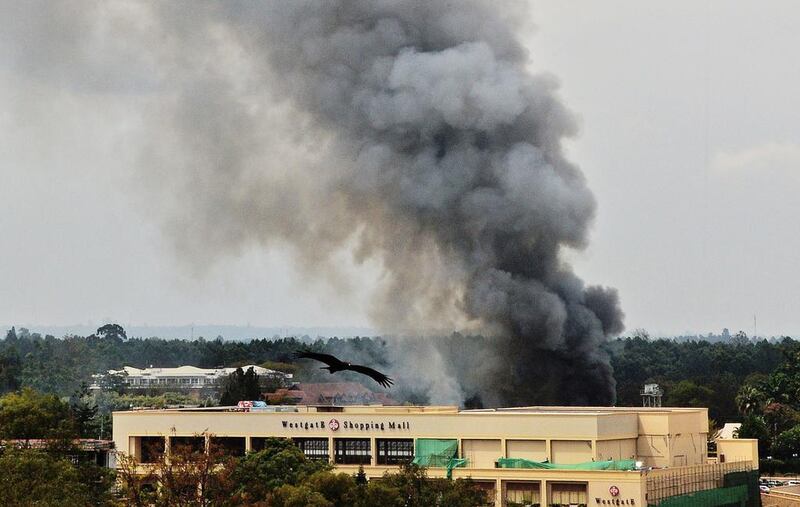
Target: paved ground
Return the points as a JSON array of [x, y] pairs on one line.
[[779, 501]]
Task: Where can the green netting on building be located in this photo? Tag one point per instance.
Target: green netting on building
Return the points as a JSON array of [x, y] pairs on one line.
[[432, 452], [625, 464], [747, 479], [736, 496]]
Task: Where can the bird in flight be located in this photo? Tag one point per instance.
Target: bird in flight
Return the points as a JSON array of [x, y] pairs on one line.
[[335, 365]]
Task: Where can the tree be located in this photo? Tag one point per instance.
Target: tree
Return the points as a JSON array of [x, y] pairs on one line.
[[780, 417], [688, 394], [239, 386], [116, 382], [787, 444], [279, 462], [27, 415], [740, 339], [36, 478], [750, 399], [112, 332], [84, 412], [297, 496], [10, 369], [185, 478], [379, 493], [753, 426], [464, 492], [417, 490], [339, 489]]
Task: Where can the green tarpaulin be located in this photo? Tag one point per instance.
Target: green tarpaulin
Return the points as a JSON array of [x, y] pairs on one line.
[[625, 464], [735, 496], [431, 452]]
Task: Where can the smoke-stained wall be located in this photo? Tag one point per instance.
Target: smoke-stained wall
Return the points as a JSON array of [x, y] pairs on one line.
[[408, 132]]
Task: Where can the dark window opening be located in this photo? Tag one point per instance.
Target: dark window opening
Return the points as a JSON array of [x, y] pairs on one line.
[[187, 445], [395, 451], [352, 451], [152, 449], [258, 443], [313, 448], [229, 446], [488, 490]]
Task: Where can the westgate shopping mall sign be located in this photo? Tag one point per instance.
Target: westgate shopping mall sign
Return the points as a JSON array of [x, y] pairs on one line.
[[345, 424]]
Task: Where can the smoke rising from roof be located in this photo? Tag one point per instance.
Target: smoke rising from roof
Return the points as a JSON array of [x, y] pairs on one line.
[[409, 132]]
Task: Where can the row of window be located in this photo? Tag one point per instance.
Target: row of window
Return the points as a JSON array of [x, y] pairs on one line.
[[358, 451], [347, 451]]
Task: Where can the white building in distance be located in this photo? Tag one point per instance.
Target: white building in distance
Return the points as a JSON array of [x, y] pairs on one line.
[[183, 377]]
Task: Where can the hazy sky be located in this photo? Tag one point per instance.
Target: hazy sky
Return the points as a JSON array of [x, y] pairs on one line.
[[690, 141]]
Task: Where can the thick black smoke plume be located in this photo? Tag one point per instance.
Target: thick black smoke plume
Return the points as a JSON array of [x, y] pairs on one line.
[[409, 132], [455, 156]]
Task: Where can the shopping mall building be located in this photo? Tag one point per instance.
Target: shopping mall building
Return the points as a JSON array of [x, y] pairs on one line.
[[520, 456]]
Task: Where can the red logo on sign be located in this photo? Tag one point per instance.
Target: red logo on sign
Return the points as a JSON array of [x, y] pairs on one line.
[[614, 491], [333, 424]]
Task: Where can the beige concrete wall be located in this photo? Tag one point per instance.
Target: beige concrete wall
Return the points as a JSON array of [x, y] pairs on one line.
[[738, 449], [673, 437], [534, 450], [666, 421], [630, 488], [688, 421], [134, 447], [653, 423], [566, 452], [688, 449], [481, 453], [653, 450], [617, 425], [616, 449]]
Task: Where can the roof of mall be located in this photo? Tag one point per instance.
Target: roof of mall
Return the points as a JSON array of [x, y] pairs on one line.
[[431, 409]]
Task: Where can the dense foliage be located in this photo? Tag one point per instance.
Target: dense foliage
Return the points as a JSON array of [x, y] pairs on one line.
[[240, 385], [691, 372], [61, 365], [694, 373], [40, 461], [770, 405], [41, 478]]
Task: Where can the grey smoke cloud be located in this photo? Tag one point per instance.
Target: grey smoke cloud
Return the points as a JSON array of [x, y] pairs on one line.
[[409, 132]]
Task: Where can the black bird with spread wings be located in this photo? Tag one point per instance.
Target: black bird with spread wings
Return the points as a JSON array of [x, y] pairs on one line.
[[335, 365]]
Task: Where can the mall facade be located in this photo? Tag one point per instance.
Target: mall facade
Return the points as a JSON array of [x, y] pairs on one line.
[[519, 456]]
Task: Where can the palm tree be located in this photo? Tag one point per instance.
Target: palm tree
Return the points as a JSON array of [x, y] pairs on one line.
[[750, 399]]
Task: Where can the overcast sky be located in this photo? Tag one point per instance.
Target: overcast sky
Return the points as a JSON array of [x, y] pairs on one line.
[[690, 140]]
